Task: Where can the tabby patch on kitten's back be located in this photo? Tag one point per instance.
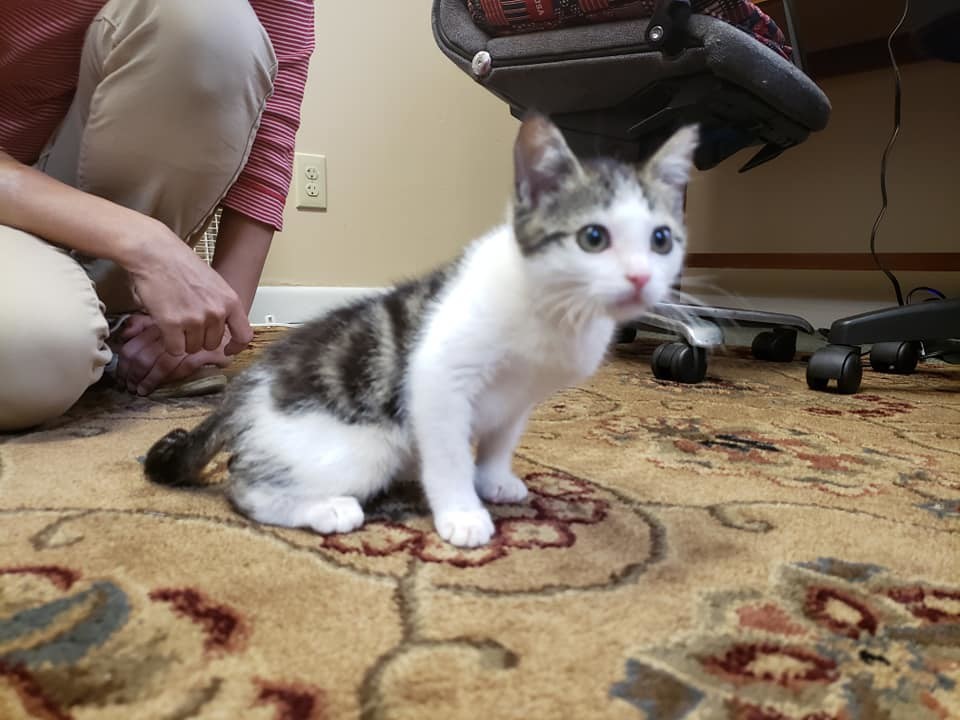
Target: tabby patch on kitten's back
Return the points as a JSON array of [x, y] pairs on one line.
[[414, 378]]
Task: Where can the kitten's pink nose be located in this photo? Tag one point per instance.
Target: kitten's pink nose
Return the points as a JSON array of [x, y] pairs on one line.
[[638, 281]]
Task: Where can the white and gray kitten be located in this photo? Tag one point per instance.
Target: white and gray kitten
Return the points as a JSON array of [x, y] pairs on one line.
[[417, 377]]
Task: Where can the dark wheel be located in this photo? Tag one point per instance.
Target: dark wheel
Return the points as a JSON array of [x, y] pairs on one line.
[[851, 373], [660, 362], [679, 362], [835, 362], [895, 357], [626, 335], [816, 383], [689, 364], [778, 345]]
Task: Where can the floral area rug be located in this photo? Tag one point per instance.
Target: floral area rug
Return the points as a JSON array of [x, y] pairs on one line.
[[741, 549]]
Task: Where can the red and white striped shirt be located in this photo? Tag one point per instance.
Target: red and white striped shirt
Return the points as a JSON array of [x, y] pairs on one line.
[[40, 47]]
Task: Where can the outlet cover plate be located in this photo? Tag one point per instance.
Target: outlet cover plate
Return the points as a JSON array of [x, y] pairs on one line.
[[310, 170]]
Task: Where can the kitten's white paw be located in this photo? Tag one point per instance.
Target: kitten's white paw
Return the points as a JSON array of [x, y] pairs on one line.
[[334, 515], [503, 487], [465, 528]]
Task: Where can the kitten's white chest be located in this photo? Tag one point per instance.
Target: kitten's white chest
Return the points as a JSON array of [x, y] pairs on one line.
[[494, 331], [581, 354], [541, 362]]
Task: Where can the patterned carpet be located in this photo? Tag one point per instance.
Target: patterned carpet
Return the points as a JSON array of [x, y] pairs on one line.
[[740, 549]]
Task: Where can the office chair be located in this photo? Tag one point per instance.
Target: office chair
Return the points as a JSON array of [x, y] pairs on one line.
[[622, 88], [901, 336]]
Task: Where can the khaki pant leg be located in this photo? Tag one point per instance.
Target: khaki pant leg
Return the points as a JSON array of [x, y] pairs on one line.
[[52, 331], [168, 102]]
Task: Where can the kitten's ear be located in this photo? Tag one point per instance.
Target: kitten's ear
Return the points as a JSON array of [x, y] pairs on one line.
[[667, 173], [542, 160]]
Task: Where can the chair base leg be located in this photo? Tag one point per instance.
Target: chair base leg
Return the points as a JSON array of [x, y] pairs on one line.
[[935, 320]]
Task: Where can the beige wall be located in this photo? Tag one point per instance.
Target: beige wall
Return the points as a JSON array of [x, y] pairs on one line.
[[419, 163], [418, 156], [824, 195]]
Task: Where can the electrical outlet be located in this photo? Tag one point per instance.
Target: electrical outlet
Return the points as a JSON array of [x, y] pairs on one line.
[[310, 178]]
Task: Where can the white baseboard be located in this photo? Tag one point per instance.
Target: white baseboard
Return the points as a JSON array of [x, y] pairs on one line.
[[290, 305]]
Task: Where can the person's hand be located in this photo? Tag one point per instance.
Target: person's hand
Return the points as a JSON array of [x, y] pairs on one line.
[[190, 305], [143, 364]]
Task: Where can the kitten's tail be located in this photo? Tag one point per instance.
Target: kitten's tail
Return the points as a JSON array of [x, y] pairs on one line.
[[178, 458]]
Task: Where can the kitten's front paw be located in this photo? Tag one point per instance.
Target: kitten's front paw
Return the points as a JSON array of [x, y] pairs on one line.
[[334, 515], [503, 487], [465, 528]]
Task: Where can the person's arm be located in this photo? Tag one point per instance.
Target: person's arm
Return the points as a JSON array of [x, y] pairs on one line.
[[38, 204], [241, 251], [261, 189], [189, 303]]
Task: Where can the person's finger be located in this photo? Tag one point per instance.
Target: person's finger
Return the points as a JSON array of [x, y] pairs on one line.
[[188, 365], [185, 369], [161, 370], [134, 325], [240, 331], [131, 349], [142, 359], [213, 335], [174, 339], [204, 359], [143, 362], [193, 334]]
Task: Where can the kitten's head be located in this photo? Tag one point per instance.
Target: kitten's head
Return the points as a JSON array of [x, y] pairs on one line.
[[600, 236]]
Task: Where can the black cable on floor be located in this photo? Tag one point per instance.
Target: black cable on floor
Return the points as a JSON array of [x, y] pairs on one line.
[[923, 288], [886, 155]]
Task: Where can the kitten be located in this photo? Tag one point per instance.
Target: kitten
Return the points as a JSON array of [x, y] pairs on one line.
[[412, 378]]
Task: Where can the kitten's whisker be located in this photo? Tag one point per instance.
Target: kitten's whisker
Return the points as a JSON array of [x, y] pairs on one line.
[[684, 315], [714, 289], [573, 318], [699, 277], [586, 312], [688, 299], [558, 307], [684, 298], [679, 299], [563, 303]]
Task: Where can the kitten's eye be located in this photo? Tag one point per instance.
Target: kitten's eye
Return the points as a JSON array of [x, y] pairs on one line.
[[593, 238], [661, 241]]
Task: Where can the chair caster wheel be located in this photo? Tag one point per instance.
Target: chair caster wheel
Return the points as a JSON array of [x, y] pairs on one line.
[[679, 362], [835, 362], [895, 357], [626, 335], [778, 345]]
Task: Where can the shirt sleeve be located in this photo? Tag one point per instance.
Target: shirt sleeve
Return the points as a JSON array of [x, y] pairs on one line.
[[261, 189]]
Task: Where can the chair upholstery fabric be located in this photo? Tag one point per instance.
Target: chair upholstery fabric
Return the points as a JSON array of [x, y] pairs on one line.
[[504, 17]]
